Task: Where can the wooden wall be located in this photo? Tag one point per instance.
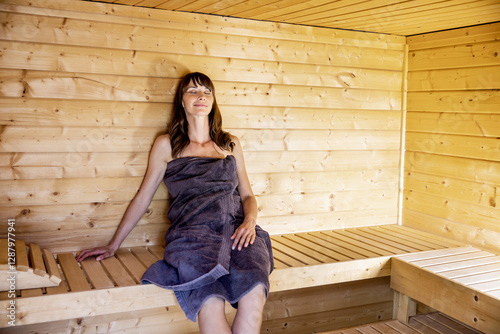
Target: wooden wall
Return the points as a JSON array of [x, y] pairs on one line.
[[87, 87], [452, 161]]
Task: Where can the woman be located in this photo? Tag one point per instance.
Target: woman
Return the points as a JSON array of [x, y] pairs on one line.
[[214, 250]]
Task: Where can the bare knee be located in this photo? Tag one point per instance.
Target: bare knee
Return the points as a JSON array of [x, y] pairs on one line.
[[256, 296], [250, 307], [212, 317]]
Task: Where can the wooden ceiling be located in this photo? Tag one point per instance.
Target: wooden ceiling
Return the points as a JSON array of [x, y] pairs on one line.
[[397, 17]]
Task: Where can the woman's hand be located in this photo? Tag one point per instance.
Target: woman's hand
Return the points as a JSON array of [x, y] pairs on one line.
[[100, 252], [244, 235]]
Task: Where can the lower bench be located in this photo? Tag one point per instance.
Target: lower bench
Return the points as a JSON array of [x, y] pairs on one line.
[[301, 260], [463, 283]]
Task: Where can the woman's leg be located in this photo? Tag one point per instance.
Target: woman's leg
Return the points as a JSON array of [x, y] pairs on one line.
[[212, 317], [248, 318]]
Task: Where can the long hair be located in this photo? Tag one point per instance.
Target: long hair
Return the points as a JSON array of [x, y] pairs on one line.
[[178, 128]]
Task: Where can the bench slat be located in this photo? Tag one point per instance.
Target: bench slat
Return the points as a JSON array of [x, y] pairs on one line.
[[74, 276], [308, 260], [441, 268], [96, 274], [494, 294], [392, 247], [131, 263], [363, 242], [117, 272], [37, 260], [26, 293], [280, 265], [56, 290], [307, 252], [428, 236], [399, 238], [288, 260], [51, 264], [436, 254], [478, 278], [484, 268], [146, 258], [22, 262], [322, 253], [338, 244], [405, 234], [424, 263], [486, 286], [4, 257], [157, 251]]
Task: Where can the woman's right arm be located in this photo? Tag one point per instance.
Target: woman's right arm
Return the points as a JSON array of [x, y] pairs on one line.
[[159, 157]]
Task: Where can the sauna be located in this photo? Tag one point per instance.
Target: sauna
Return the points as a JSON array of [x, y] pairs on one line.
[[371, 136]]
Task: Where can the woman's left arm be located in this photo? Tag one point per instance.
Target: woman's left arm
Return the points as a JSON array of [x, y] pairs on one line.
[[244, 235]]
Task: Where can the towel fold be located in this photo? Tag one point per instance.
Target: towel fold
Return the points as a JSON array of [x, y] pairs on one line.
[[205, 208]]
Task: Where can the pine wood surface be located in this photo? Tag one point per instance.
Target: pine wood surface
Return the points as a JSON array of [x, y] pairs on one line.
[[86, 88], [32, 268], [452, 135], [424, 323], [460, 282], [302, 260], [371, 299], [396, 17], [204, 23], [482, 33]]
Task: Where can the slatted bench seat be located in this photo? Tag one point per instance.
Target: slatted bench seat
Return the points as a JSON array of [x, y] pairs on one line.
[[43, 271], [463, 283], [301, 260]]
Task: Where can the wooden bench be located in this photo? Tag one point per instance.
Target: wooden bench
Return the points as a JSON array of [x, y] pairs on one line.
[[463, 283], [301, 260], [43, 271]]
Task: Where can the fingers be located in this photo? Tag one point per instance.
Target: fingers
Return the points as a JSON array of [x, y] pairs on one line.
[[242, 238], [101, 253]]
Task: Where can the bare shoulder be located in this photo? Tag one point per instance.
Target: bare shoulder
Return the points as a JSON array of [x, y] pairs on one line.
[[236, 141], [162, 147], [237, 151]]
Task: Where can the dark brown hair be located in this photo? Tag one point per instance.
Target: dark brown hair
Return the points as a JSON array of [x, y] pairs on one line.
[[178, 128]]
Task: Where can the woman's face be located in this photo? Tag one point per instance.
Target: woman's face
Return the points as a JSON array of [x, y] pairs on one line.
[[197, 100]]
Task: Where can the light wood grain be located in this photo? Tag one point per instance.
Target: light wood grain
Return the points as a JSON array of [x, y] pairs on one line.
[[22, 262], [36, 260], [452, 133], [465, 303], [96, 274], [73, 275]]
